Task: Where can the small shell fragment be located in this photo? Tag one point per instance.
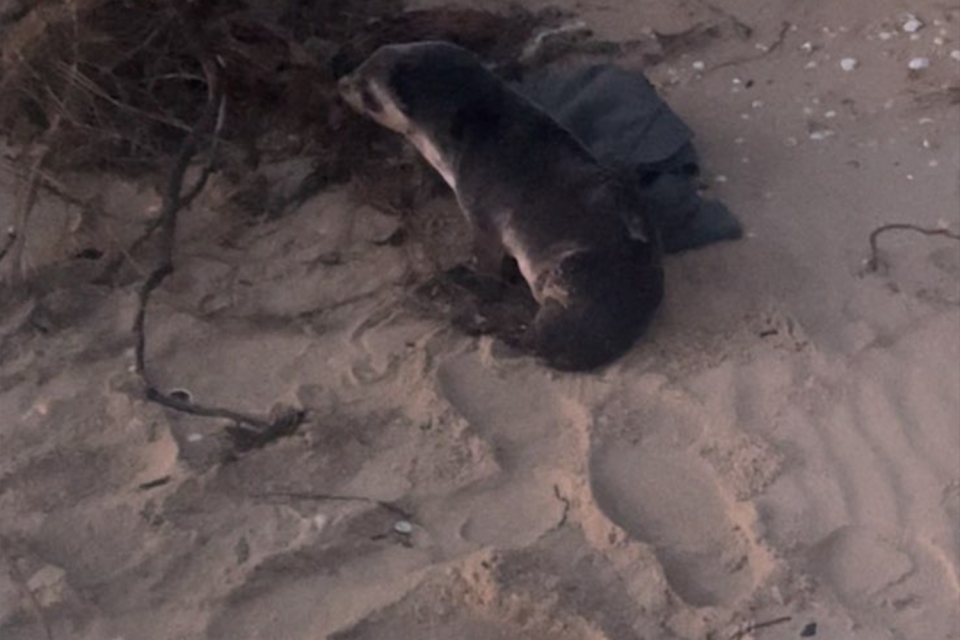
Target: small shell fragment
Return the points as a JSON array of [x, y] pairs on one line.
[[848, 64], [912, 24], [320, 521], [955, 54], [698, 65], [403, 527], [919, 63]]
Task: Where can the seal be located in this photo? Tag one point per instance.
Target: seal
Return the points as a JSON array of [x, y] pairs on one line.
[[530, 190]]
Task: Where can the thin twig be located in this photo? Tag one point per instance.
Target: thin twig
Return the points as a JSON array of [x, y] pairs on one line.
[[174, 200], [773, 46], [756, 626], [84, 83], [33, 180], [873, 262], [307, 495]]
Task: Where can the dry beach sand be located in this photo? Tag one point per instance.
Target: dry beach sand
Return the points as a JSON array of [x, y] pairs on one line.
[[785, 443]]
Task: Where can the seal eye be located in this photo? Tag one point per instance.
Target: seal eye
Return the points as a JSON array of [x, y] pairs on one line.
[[370, 102]]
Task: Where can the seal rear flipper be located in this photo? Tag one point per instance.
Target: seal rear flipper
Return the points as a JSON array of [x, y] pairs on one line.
[[708, 223], [577, 339]]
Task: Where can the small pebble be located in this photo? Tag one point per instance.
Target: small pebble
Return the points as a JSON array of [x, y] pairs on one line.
[[919, 63], [884, 35], [194, 437], [744, 116], [403, 527], [909, 176], [810, 65], [736, 80], [830, 114], [698, 65], [938, 41], [320, 521], [912, 25], [756, 104], [955, 54], [807, 47], [848, 64], [720, 179], [809, 630], [822, 134]]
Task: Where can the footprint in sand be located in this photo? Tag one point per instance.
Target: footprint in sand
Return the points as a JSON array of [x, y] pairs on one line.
[[533, 433], [671, 501], [891, 580]]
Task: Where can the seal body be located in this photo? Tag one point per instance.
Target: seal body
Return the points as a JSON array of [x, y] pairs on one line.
[[530, 190]]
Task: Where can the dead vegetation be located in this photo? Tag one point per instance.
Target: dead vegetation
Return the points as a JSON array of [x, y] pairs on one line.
[[109, 84]]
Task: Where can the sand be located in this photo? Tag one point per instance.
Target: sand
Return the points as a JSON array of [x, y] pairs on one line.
[[784, 446]]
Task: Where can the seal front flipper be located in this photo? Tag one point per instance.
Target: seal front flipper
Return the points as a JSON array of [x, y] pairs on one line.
[[486, 288], [488, 252]]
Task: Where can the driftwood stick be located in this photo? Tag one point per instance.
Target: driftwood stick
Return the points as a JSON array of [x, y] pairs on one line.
[[756, 626], [174, 199]]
